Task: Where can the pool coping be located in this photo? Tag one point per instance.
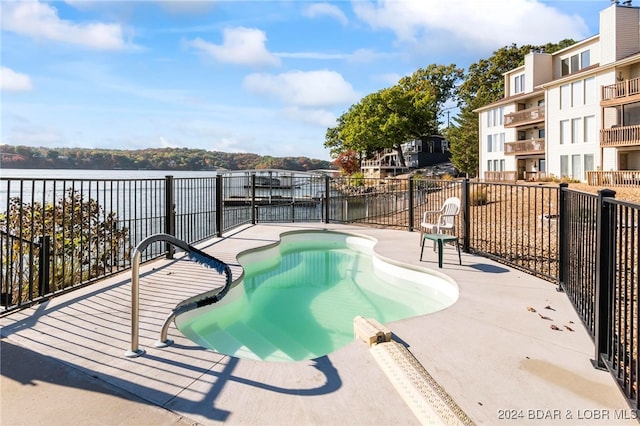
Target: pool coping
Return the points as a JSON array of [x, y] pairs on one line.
[[498, 360]]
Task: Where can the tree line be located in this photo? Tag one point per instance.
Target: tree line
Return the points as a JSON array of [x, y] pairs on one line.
[[414, 108], [24, 157]]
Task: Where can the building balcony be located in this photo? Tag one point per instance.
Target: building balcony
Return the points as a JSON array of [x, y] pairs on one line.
[[513, 176], [504, 176], [380, 164], [524, 117], [629, 178], [623, 92], [528, 146], [620, 136]]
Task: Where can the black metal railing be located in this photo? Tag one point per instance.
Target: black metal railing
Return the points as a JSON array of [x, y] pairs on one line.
[[579, 248], [616, 301], [57, 235], [515, 224], [70, 232]]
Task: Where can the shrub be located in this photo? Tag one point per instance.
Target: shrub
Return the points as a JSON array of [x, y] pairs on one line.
[[356, 179], [86, 242], [478, 196]]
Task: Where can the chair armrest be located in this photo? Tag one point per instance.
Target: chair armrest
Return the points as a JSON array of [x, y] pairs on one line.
[[429, 213]]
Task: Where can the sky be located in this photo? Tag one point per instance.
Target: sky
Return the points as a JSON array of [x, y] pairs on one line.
[[266, 77]]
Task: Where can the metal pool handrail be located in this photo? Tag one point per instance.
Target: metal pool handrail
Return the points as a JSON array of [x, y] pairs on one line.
[[192, 303]]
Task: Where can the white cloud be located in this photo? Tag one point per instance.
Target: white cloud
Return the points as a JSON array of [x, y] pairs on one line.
[[315, 117], [314, 55], [390, 78], [41, 21], [325, 9], [186, 7], [303, 88], [368, 55], [164, 143], [472, 23], [35, 135], [244, 46], [357, 56], [12, 81]]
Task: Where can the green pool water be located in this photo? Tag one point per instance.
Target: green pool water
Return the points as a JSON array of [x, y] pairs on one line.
[[298, 299]]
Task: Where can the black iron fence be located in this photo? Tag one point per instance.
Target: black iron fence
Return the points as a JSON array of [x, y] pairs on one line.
[[57, 235], [514, 224]]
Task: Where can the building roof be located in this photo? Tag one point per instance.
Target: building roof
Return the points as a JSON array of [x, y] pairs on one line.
[[510, 99]]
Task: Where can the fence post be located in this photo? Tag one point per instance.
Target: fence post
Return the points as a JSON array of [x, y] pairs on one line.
[[605, 250], [44, 271], [326, 198], [253, 199], [466, 218], [411, 212], [562, 224], [170, 214], [219, 205]]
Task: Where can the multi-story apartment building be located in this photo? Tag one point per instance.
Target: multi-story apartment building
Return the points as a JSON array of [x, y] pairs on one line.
[[574, 113]]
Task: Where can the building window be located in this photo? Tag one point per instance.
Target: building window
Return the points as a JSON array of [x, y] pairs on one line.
[[518, 86], [590, 128], [576, 167], [590, 91], [565, 96], [588, 163], [564, 165], [585, 59], [489, 165], [575, 63], [501, 148], [502, 165], [565, 132], [576, 89], [543, 165], [495, 117], [489, 144], [576, 130], [565, 66]]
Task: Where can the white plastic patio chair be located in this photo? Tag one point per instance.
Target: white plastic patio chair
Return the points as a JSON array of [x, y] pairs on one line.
[[440, 221]]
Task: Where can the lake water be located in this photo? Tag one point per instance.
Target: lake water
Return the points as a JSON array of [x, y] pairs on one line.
[[47, 185], [99, 174], [141, 193]]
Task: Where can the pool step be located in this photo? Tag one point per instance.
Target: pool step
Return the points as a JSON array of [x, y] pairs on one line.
[[255, 342], [289, 347]]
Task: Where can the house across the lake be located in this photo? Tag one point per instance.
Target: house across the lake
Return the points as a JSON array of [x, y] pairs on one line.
[[417, 154]]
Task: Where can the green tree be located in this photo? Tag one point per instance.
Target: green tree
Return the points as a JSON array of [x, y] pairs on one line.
[[86, 242], [387, 118], [464, 152]]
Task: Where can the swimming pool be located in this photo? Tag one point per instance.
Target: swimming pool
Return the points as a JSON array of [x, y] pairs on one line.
[[298, 298]]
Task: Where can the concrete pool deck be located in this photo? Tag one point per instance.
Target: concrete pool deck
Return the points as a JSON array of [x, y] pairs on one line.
[[63, 361]]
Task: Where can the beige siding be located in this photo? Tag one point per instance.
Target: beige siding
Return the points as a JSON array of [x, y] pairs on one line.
[[628, 31]]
